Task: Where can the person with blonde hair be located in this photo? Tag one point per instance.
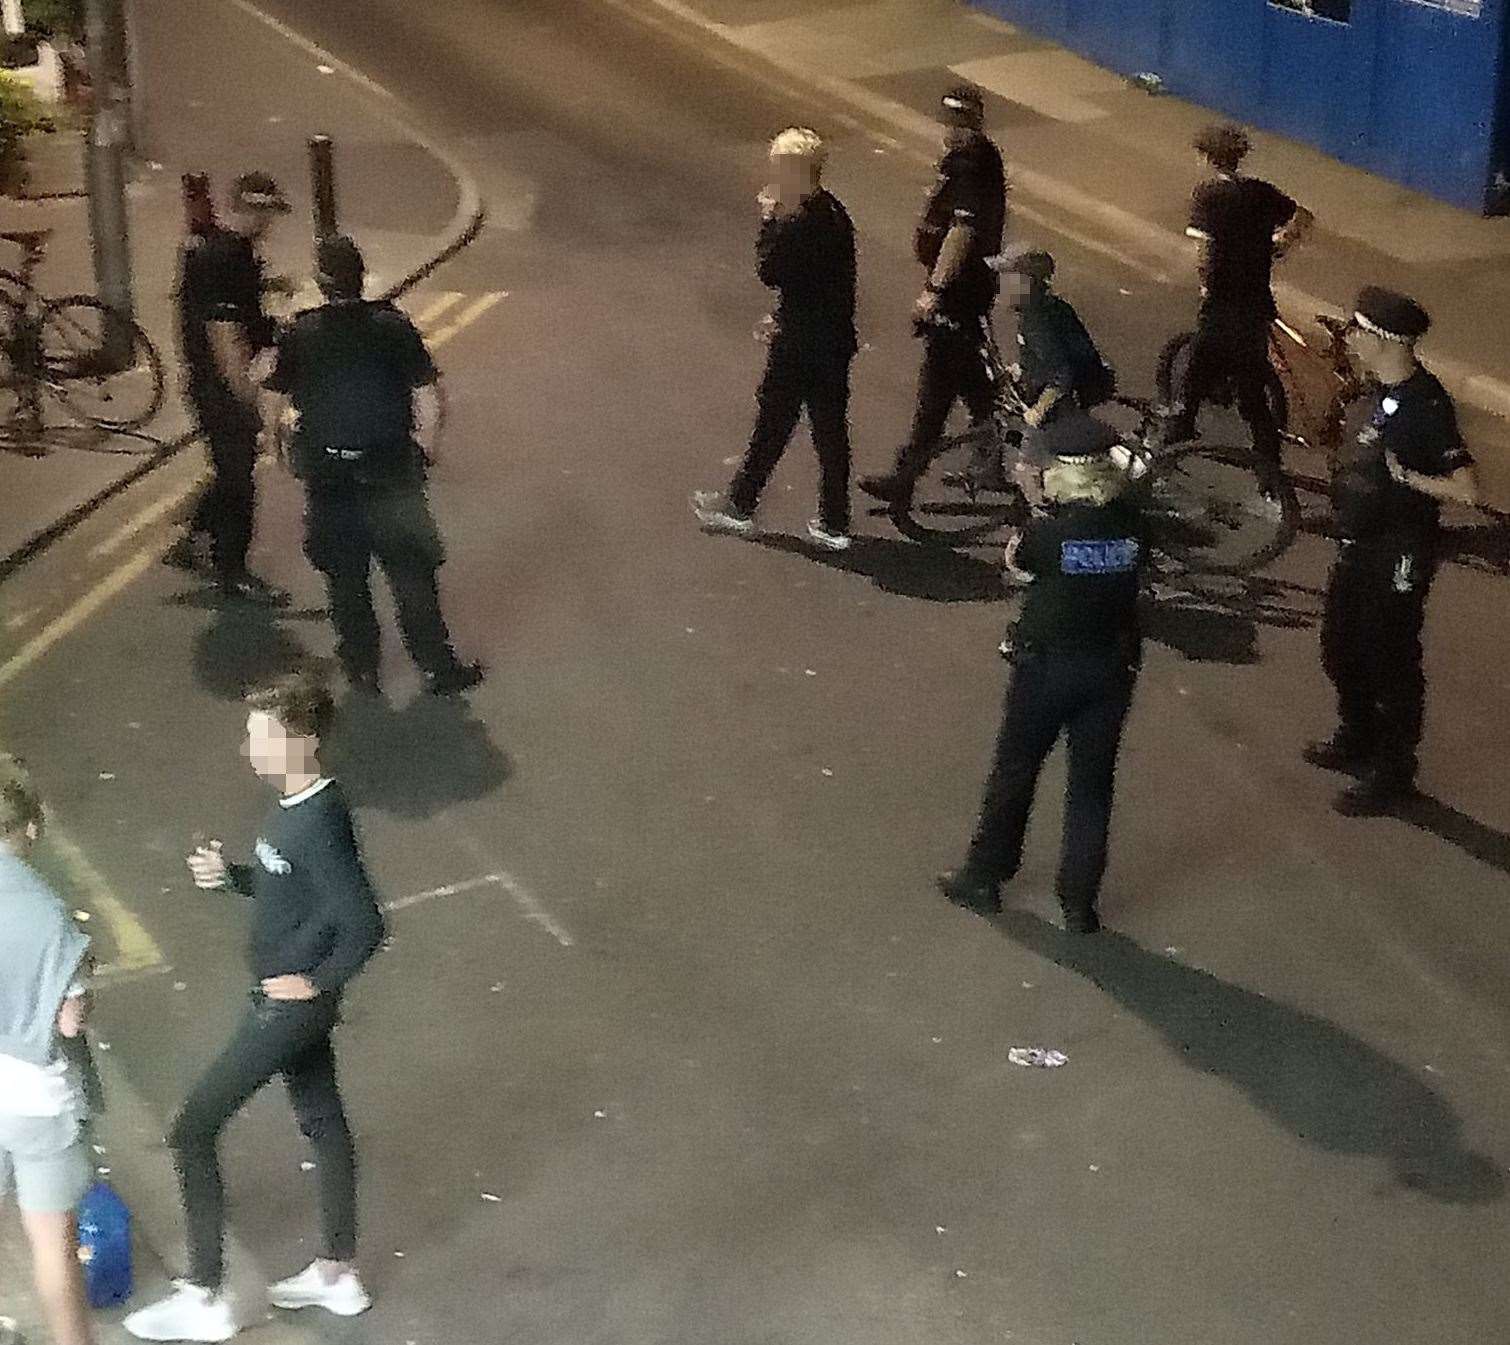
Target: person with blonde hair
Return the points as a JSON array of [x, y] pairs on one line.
[[805, 251]]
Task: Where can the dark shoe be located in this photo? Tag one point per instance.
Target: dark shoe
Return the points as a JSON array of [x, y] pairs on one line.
[[1335, 754], [1082, 922], [1374, 796], [249, 588], [449, 681], [890, 488], [970, 890], [365, 683]]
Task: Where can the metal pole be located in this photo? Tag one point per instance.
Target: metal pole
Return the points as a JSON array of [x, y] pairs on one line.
[[106, 173], [322, 177], [131, 74]]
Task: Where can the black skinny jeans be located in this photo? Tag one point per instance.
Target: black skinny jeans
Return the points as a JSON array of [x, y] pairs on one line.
[[287, 1038], [225, 509], [797, 375], [1087, 696], [1371, 651], [954, 367]]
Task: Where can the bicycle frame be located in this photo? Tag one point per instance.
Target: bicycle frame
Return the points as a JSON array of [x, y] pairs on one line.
[[1319, 383]]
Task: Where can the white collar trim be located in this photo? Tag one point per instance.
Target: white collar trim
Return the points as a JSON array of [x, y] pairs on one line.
[[290, 800]]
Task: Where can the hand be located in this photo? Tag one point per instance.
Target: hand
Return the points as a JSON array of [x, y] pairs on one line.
[[770, 203], [72, 1015], [1032, 417], [765, 329], [1397, 473], [208, 866], [286, 286], [926, 307], [289, 988]]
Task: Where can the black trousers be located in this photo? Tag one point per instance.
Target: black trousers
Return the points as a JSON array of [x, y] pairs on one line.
[[291, 1039], [226, 506], [954, 367], [349, 526], [1233, 348], [1371, 651], [1086, 696], [798, 375]]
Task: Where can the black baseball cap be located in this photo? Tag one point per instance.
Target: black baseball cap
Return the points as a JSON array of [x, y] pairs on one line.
[[1024, 260], [259, 191], [963, 98]]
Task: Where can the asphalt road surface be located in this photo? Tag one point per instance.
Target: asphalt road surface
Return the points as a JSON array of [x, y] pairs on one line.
[[695, 1015]]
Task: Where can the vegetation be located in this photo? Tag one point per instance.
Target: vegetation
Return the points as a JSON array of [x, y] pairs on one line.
[[20, 115]]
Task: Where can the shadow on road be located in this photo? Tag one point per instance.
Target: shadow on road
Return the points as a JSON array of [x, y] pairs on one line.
[[242, 644], [1471, 836], [1216, 620], [1310, 1077], [415, 760], [935, 574]]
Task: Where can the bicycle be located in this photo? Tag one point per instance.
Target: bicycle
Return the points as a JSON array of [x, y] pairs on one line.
[[66, 347], [1202, 500]]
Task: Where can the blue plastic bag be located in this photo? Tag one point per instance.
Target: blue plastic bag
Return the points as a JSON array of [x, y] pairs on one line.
[[105, 1245]]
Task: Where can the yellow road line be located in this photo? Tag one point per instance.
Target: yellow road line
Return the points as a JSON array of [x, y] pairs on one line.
[[136, 950], [468, 316], [446, 301], [75, 616], [143, 520]]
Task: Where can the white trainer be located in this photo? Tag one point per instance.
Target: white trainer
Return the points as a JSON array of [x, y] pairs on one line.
[[189, 1313], [343, 1295], [829, 541], [716, 516]]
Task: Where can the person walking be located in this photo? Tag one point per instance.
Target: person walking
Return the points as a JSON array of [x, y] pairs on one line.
[[363, 389], [44, 1149], [961, 228], [1076, 652], [222, 325], [1242, 225], [314, 927], [805, 252], [1408, 461]]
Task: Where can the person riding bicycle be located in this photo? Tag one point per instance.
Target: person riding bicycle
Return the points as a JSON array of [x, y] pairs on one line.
[[962, 226], [1242, 224]]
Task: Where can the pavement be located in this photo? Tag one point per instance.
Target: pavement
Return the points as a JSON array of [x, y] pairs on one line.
[[674, 1041]]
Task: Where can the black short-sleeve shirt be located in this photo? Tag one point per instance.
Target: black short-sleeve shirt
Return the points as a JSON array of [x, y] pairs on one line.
[[1085, 558], [220, 280], [971, 190], [350, 370], [1415, 420], [1240, 216]]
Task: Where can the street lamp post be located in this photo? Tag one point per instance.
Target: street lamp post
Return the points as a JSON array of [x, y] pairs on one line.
[[109, 134]]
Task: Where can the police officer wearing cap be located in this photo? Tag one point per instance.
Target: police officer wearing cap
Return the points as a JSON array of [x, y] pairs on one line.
[[1408, 461], [1076, 651], [222, 327], [961, 228], [363, 389]]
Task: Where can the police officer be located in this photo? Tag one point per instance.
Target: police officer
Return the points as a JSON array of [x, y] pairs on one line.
[[364, 390], [962, 226], [1076, 652], [1409, 459], [222, 328], [806, 252]]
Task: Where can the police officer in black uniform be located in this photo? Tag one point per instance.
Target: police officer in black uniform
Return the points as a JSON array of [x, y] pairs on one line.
[[961, 227], [361, 383], [1076, 650], [222, 328], [1409, 459]]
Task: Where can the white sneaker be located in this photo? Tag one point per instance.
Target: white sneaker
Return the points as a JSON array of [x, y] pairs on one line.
[[189, 1313], [343, 1296], [829, 541], [716, 516]]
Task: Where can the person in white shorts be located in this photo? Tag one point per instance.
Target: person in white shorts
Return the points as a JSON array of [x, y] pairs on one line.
[[44, 1152]]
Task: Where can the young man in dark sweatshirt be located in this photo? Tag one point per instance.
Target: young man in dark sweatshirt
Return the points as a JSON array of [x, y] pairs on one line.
[[315, 926]]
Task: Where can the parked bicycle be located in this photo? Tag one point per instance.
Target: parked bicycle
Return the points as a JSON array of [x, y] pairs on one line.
[[1204, 501], [99, 367]]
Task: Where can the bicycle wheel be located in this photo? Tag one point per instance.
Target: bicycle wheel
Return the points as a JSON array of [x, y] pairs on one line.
[[1208, 515], [948, 508], [1174, 364], [113, 396]]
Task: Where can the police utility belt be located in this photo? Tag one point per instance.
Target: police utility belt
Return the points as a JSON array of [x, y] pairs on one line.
[[371, 464]]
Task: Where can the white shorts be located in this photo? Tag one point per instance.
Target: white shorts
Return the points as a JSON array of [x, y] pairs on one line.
[[47, 1159]]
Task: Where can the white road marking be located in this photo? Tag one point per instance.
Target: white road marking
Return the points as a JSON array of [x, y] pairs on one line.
[[529, 907], [143, 520], [450, 890]]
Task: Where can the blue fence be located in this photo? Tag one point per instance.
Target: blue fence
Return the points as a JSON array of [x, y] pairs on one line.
[[1416, 90]]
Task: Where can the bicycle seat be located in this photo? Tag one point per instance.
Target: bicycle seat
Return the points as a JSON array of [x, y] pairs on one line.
[[30, 239]]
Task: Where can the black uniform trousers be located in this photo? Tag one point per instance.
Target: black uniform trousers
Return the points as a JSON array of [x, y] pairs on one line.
[[954, 367], [1232, 347], [1086, 696], [1371, 650], [801, 373], [347, 527], [225, 508], [291, 1038]]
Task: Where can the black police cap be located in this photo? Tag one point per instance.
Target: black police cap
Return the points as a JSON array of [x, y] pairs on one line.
[[1390, 314]]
